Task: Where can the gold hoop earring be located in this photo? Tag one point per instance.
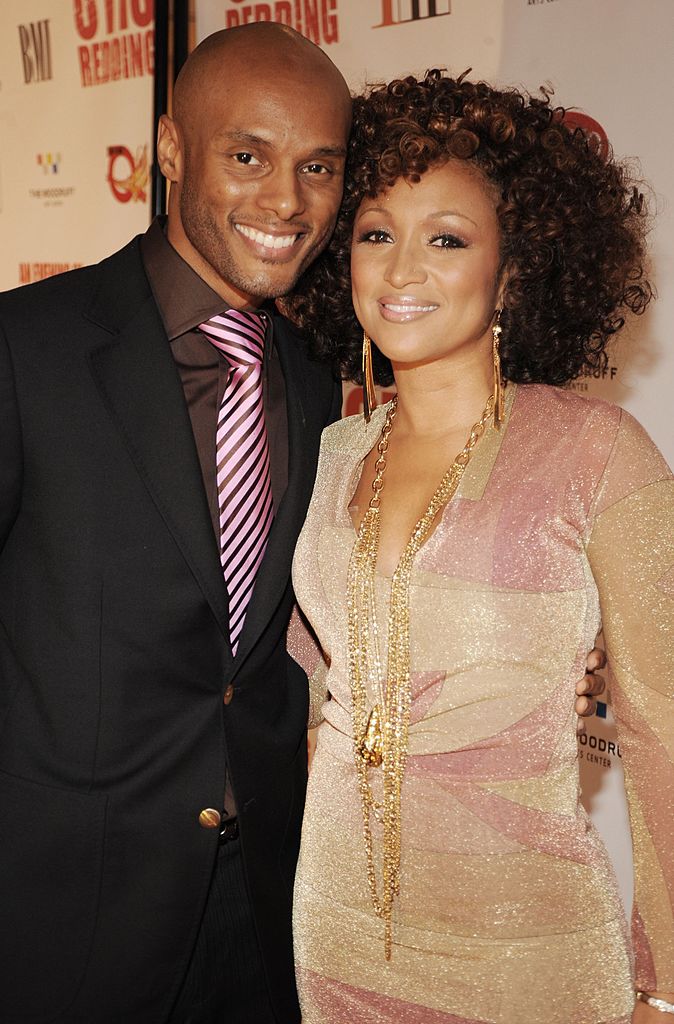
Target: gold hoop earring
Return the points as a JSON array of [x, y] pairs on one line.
[[498, 380], [369, 394]]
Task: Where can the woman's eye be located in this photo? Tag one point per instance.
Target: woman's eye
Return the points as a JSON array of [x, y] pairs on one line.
[[375, 237], [247, 159], [446, 241]]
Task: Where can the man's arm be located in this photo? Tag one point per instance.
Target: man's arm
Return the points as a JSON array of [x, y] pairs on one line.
[[11, 459]]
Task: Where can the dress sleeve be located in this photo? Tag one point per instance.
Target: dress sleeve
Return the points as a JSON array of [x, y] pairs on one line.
[[631, 554], [304, 648]]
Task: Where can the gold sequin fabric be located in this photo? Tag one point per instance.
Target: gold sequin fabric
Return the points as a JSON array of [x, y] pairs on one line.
[[508, 910]]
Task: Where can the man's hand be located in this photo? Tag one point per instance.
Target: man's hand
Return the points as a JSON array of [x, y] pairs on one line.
[[590, 686]]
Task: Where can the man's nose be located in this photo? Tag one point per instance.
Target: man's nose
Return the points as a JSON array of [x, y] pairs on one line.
[[281, 193]]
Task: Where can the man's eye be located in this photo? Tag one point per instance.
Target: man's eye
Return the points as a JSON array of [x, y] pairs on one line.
[[447, 241], [247, 159], [316, 169]]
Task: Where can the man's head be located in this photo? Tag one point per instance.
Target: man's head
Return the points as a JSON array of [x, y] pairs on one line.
[[255, 155]]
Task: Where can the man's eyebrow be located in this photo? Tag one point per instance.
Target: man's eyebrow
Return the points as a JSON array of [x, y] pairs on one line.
[[250, 139]]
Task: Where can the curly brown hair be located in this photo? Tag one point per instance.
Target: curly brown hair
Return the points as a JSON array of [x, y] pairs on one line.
[[572, 221]]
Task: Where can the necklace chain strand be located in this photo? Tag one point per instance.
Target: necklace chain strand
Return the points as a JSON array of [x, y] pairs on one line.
[[381, 737]]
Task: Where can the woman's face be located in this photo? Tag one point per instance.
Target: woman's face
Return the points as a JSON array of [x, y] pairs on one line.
[[425, 264]]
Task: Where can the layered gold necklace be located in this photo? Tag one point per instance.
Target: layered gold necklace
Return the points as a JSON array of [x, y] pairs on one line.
[[380, 732]]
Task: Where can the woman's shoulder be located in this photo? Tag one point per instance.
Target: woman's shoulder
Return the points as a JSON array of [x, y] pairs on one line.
[[603, 430], [568, 408], [352, 433]]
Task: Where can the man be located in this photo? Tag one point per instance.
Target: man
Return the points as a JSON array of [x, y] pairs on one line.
[[153, 748]]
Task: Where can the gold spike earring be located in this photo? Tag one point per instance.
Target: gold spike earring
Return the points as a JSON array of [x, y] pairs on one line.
[[498, 380], [369, 394]]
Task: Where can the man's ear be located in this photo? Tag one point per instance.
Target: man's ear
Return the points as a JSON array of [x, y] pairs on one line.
[[169, 149]]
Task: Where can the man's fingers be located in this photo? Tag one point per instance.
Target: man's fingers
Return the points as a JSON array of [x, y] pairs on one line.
[[597, 685], [596, 659], [585, 706]]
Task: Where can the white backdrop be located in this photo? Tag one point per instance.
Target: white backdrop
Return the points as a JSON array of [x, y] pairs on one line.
[[75, 125], [611, 59]]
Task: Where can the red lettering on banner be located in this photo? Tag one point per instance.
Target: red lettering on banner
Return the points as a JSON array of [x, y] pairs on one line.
[[86, 18], [412, 10], [318, 20], [38, 271], [125, 54]]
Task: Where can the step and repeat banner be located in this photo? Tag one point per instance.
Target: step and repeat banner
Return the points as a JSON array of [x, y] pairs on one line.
[[76, 79], [616, 76]]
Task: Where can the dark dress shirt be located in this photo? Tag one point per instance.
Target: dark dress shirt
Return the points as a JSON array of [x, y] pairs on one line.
[[184, 301]]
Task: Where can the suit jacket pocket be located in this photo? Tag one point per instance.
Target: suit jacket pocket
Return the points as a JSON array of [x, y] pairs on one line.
[[51, 858]]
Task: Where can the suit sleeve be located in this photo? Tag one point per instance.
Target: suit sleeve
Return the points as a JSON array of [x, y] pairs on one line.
[[631, 553], [11, 461]]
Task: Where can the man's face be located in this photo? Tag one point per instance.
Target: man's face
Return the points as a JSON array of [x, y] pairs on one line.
[[261, 184]]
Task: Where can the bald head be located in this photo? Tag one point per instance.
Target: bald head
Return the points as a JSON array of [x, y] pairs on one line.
[[255, 154], [264, 50]]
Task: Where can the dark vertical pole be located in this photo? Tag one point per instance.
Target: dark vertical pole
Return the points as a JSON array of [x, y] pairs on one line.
[[180, 34], [415, 10], [161, 41]]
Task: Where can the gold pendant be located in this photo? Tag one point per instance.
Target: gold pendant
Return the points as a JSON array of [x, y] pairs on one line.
[[371, 744]]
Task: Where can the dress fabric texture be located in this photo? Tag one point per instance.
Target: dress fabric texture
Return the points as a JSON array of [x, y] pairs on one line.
[[509, 911]]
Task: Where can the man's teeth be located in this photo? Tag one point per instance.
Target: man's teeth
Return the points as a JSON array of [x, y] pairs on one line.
[[408, 309], [270, 241]]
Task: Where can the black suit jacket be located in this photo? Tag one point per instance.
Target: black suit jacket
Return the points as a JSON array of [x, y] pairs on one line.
[[114, 657]]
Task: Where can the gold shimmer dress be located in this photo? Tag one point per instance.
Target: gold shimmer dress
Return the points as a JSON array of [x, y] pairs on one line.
[[508, 910]]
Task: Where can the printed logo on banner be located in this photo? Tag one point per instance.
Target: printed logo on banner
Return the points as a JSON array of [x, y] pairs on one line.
[[402, 12], [128, 175], [594, 132], [318, 20], [48, 164], [604, 373], [599, 743], [29, 272], [118, 39], [35, 40]]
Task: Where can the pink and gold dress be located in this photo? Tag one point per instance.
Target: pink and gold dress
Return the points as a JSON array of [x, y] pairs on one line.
[[508, 912]]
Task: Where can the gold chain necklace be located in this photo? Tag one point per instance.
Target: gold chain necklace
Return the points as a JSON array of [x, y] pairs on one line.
[[380, 737]]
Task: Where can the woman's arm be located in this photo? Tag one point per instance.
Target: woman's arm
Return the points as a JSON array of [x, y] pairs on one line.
[[631, 553]]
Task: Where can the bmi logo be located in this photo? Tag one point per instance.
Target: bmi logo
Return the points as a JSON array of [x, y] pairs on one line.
[[401, 12], [36, 51], [128, 175], [49, 162]]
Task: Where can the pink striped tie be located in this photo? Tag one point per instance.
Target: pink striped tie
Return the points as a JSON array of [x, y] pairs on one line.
[[242, 459]]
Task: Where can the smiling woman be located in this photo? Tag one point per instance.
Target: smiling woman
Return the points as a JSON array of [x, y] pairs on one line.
[[448, 873]]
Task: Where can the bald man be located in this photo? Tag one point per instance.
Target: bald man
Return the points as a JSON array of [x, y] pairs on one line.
[[152, 764], [153, 745]]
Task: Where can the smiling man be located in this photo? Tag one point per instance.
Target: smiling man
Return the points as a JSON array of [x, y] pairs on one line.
[[159, 430]]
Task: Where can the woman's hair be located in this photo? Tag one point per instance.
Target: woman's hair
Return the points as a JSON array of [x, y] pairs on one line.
[[572, 222]]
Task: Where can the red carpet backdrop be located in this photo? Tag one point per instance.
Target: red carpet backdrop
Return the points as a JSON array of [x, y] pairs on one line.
[[611, 62], [75, 125]]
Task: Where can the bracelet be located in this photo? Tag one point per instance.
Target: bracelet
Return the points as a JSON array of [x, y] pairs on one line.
[[658, 1004]]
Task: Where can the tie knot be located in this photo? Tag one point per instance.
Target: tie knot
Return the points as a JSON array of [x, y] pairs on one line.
[[238, 334]]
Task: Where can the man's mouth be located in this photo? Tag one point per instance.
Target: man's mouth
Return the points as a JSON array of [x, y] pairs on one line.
[[273, 243]]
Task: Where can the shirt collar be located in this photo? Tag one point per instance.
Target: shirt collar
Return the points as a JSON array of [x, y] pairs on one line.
[[183, 298]]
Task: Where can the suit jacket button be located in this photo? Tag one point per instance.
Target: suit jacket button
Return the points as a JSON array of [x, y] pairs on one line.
[[228, 694], [209, 818]]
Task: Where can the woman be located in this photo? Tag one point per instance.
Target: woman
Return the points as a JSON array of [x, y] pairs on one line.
[[448, 871]]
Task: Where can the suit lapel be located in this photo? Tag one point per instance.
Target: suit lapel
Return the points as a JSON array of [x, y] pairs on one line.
[[303, 441], [140, 385]]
